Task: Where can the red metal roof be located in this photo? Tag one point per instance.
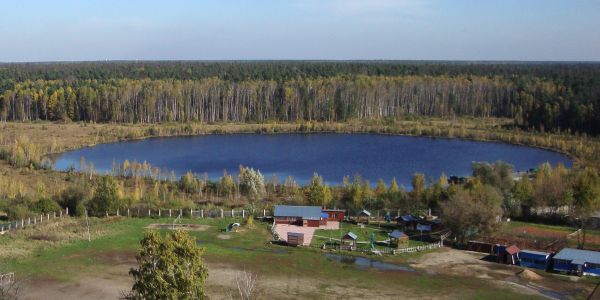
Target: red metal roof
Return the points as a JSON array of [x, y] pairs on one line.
[[512, 250]]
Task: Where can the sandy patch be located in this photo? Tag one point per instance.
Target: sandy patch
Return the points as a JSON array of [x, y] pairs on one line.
[[190, 227], [224, 236]]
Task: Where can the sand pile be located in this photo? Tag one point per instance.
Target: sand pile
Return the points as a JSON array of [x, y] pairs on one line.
[[529, 275]]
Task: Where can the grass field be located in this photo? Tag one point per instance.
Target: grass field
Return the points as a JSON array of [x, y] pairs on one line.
[[364, 235], [67, 266]]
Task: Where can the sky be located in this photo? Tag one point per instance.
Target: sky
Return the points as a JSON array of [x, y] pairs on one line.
[[522, 30]]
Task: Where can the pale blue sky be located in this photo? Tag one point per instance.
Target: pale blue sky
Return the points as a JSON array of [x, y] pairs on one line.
[[47, 30]]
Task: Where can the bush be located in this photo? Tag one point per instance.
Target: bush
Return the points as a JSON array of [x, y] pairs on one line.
[[45, 206], [18, 212]]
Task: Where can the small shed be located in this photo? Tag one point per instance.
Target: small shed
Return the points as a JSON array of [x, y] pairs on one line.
[[295, 239], [534, 259], [508, 255], [400, 238], [349, 240]]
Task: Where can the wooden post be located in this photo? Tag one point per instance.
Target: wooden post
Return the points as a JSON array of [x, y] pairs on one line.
[[159, 212], [22, 223], [191, 213], [67, 211], [264, 213], [202, 213], [169, 212], [118, 212], [61, 213], [29, 221], [243, 213], [128, 212], [48, 215], [180, 212], [232, 213], [148, 212], [107, 213], [222, 213], [42, 219]]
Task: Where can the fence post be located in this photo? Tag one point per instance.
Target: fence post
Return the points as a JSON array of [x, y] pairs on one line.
[[180, 213], [169, 212], [148, 212], [22, 223], [222, 213], [264, 213], [41, 218], [118, 212], [232, 213], [107, 213], [67, 212], [29, 221], [202, 213], [243, 213], [60, 214], [48, 216], [2, 229], [191, 213], [159, 212], [128, 212]]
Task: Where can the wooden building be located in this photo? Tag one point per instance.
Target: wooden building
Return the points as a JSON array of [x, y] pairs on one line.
[[335, 214], [309, 216]]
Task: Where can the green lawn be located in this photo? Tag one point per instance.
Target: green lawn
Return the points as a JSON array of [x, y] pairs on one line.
[[248, 249], [363, 232]]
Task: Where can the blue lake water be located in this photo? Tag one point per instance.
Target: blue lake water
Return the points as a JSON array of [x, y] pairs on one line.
[[331, 155]]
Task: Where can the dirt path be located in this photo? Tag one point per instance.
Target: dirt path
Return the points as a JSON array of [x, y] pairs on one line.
[[463, 263]]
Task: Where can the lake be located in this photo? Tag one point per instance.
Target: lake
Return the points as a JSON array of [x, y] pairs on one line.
[[333, 156]]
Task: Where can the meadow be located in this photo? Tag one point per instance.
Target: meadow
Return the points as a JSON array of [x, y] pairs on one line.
[[57, 260]]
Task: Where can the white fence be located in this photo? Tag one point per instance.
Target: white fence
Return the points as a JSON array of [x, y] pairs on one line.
[[32, 221], [419, 248], [200, 213]]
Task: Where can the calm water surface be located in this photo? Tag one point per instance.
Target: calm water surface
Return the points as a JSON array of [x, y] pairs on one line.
[[331, 155]]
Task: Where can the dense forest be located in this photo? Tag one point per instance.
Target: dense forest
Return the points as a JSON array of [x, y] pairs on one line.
[[545, 96]]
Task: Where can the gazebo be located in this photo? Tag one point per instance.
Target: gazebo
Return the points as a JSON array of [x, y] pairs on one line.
[[349, 241], [363, 216]]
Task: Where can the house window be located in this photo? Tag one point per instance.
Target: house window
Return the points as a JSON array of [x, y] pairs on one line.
[[594, 266]]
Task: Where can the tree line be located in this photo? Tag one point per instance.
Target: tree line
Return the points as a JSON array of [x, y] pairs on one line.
[[543, 96]]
